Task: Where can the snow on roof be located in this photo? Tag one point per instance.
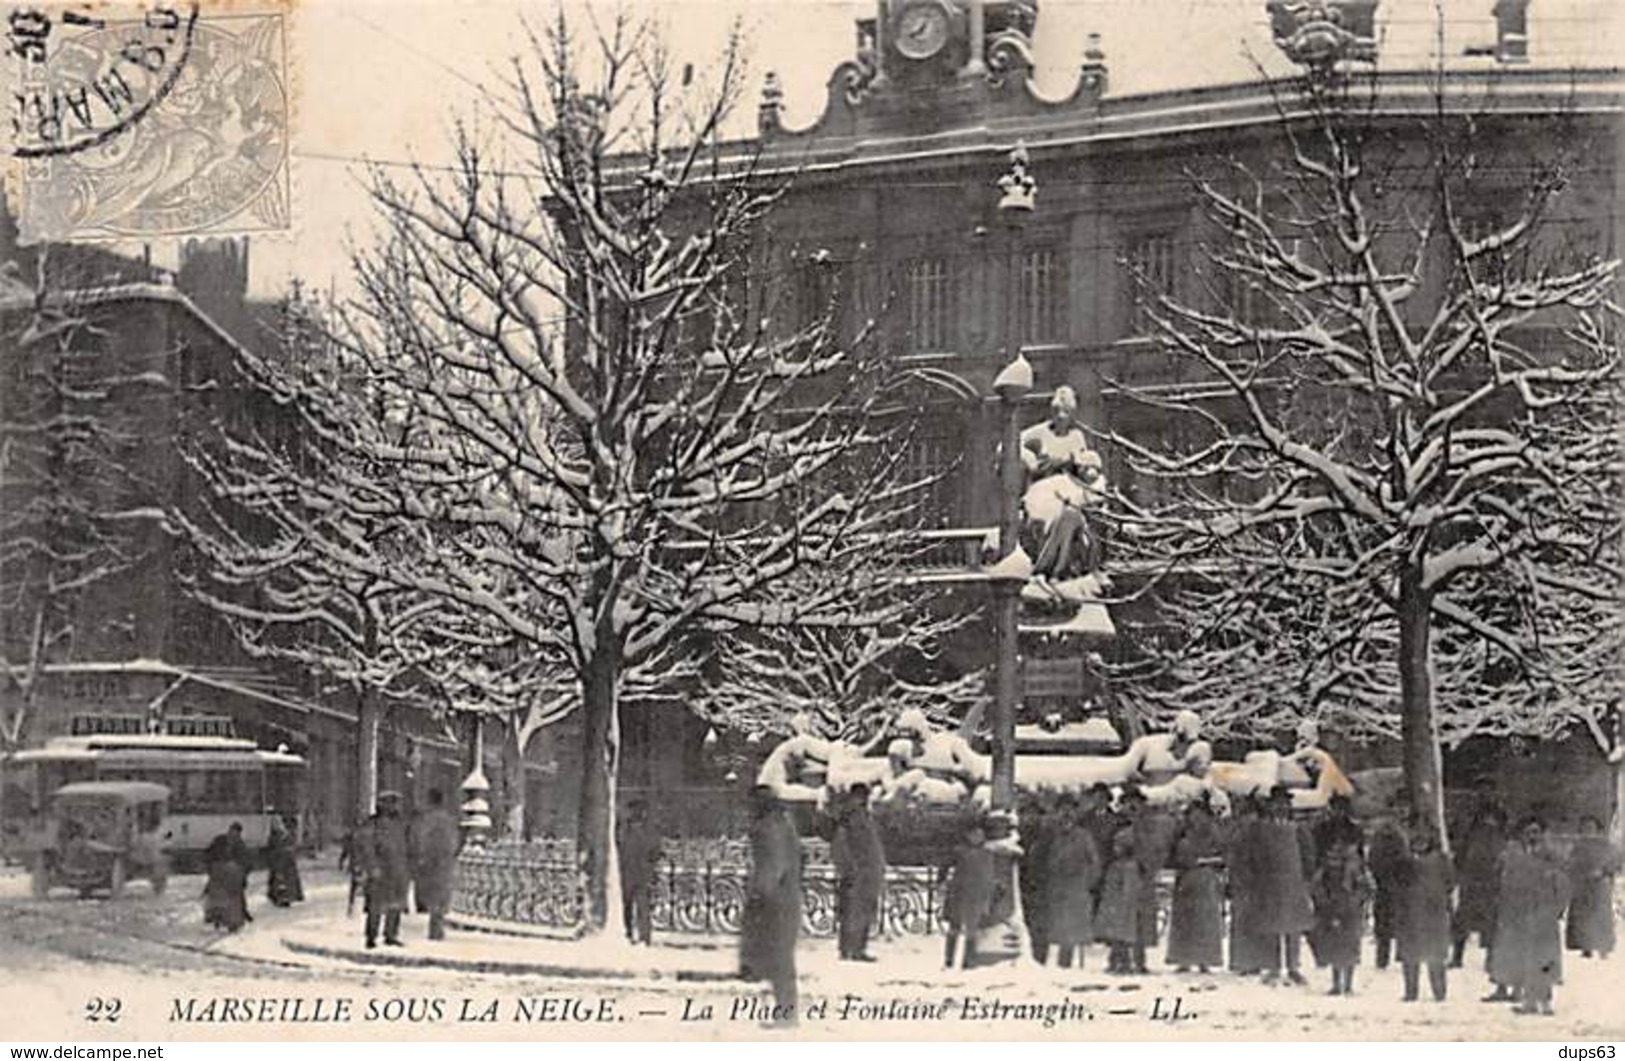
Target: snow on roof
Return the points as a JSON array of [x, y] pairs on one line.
[[238, 684], [20, 297], [132, 789]]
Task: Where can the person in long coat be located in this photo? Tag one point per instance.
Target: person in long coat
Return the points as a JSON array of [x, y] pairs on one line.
[[1422, 918], [1154, 832], [225, 888], [1072, 867], [860, 871], [1248, 947], [1117, 918], [1280, 907], [638, 849], [968, 902], [434, 842], [1388, 854], [1526, 957], [1196, 920], [772, 916], [1339, 891], [1593, 865], [1477, 868], [282, 884], [1041, 816], [383, 850]]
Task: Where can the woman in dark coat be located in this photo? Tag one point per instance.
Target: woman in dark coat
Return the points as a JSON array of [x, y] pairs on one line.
[[1422, 918], [969, 899], [772, 915], [1477, 868], [1593, 865], [1071, 870], [1247, 948], [225, 890], [860, 869], [1339, 891], [1195, 925], [282, 884], [1526, 957], [1280, 908]]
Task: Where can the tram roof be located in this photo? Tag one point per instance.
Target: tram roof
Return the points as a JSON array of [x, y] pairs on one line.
[[221, 750]]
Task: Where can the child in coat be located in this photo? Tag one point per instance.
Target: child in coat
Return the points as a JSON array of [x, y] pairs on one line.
[[1339, 890]]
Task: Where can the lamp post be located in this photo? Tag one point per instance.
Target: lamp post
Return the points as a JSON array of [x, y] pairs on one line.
[[1011, 385], [1010, 574]]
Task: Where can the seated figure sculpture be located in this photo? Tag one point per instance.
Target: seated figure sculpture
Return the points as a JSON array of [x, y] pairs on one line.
[[1064, 481]]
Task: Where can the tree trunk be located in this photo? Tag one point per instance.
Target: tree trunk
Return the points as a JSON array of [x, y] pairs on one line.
[[600, 751], [1424, 771], [369, 715]]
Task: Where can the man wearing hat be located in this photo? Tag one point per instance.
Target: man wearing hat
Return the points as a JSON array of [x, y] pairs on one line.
[[384, 850]]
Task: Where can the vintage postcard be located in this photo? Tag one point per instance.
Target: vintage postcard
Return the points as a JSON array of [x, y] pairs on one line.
[[823, 519]]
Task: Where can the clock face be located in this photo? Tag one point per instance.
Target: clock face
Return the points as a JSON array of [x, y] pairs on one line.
[[922, 30]]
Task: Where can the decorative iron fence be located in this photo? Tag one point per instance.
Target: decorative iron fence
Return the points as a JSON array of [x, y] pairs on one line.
[[699, 888]]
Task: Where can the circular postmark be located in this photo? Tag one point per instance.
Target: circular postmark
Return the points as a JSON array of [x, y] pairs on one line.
[[85, 81], [211, 155]]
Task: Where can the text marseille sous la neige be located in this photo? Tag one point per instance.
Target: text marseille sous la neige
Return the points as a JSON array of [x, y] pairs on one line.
[[579, 1010]]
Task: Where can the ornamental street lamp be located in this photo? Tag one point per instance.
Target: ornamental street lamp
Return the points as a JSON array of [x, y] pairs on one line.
[[1012, 570], [476, 808], [1011, 385]]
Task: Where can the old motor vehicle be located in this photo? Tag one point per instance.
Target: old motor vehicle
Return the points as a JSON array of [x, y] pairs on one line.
[[102, 834]]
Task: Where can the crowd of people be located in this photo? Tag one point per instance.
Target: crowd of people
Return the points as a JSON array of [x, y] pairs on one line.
[[391, 859], [1250, 892]]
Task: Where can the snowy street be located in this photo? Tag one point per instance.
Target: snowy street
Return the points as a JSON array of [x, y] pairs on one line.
[[173, 979]]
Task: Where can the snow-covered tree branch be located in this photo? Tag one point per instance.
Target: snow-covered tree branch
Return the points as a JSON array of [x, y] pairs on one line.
[[564, 416], [1395, 497]]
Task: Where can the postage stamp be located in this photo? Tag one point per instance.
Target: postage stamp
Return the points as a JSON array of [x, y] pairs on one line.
[[163, 121]]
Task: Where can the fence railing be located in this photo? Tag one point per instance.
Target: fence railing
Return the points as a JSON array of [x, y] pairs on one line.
[[699, 888]]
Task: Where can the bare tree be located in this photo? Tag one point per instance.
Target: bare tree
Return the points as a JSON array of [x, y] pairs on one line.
[[1398, 470], [571, 409], [76, 514], [293, 524], [849, 680]]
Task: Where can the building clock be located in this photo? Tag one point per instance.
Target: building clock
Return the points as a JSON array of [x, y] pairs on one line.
[[921, 30]]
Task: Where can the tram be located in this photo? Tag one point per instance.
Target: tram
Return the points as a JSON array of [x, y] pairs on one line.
[[214, 779]]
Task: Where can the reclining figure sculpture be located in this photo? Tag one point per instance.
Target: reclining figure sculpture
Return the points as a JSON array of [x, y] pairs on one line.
[[927, 765]]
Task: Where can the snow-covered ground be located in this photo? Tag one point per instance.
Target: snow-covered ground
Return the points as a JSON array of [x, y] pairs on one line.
[[173, 978]]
